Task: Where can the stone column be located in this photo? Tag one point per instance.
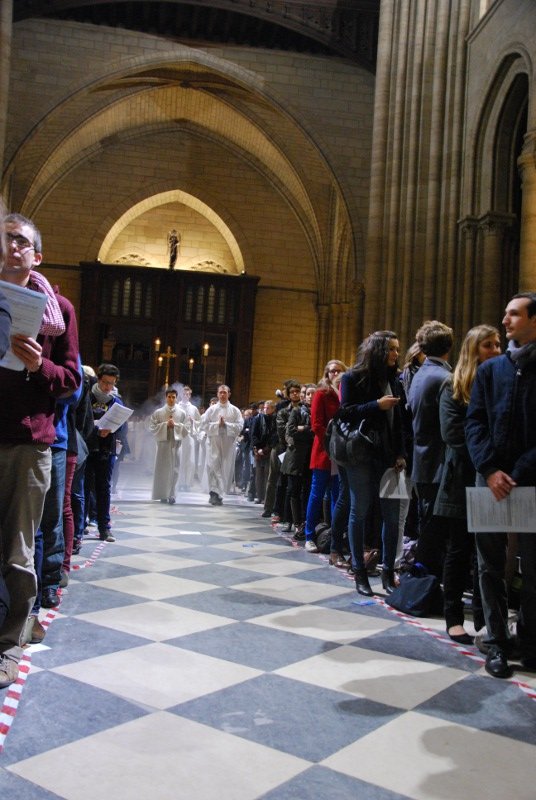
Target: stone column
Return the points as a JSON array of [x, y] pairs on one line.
[[6, 14], [410, 268], [323, 332], [527, 256], [493, 233], [466, 281]]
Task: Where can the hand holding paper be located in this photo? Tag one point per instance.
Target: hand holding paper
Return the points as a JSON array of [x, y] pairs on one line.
[[113, 418]]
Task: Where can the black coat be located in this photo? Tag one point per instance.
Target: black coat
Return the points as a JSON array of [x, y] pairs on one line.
[[458, 470], [359, 401], [299, 443]]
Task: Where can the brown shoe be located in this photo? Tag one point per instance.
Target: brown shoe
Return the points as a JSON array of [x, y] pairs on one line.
[[338, 560], [34, 631], [9, 671]]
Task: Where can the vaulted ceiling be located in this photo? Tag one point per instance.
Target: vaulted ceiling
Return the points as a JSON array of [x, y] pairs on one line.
[[347, 28]]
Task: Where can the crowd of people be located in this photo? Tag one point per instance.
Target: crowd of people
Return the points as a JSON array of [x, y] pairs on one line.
[[438, 430]]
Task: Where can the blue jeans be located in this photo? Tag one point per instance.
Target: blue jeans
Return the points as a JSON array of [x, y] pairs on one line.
[[78, 502], [52, 523], [339, 517], [364, 485], [320, 482], [38, 566]]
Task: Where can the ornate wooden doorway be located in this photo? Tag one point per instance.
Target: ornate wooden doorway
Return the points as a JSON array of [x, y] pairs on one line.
[[189, 328]]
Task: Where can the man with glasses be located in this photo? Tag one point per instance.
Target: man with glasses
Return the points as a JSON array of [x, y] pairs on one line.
[[27, 430]]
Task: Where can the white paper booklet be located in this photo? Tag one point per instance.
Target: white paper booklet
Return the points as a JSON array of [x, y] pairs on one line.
[[515, 514]]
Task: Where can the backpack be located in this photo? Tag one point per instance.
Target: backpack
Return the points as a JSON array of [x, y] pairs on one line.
[[323, 537]]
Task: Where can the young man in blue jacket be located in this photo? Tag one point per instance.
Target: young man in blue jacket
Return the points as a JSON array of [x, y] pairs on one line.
[[501, 437]]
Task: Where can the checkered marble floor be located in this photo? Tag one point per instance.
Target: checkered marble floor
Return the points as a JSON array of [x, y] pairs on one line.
[[203, 656]]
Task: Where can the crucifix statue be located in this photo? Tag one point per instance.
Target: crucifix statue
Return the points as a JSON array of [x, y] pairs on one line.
[[174, 243]]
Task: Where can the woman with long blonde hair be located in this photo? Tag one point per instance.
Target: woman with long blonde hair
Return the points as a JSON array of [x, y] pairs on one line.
[[480, 343]]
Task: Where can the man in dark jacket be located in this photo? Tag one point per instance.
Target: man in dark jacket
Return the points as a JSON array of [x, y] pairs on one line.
[[263, 437], [103, 446], [501, 438], [435, 340]]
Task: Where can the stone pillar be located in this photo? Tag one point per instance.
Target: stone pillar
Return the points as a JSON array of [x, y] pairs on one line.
[[335, 331], [323, 332], [6, 14], [412, 244], [527, 256], [493, 234], [466, 281]]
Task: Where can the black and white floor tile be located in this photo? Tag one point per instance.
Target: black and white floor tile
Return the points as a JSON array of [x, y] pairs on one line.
[[203, 656]]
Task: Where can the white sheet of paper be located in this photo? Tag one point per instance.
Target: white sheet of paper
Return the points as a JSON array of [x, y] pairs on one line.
[[27, 308], [114, 417], [395, 485], [515, 514]]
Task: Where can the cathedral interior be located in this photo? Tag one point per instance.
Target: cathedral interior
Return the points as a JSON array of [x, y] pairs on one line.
[[357, 164], [238, 191]]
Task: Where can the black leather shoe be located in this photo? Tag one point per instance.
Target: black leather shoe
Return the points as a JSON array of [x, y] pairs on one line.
[[362, 582], [461, 638], [388, 580], [496, 663], [287, 527], [50, 598]]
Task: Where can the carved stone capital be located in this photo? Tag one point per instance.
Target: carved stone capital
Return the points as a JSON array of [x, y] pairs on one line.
[[494, 224], [468, 226]]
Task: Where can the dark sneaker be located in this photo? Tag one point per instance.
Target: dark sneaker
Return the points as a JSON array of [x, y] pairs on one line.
[[50, 598]]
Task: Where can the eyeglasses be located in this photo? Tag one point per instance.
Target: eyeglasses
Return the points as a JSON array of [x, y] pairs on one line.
[[20, 242], [335, 371]]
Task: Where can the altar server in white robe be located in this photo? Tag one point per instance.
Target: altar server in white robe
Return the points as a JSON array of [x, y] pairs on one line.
[[187, 459], [168, 426], [222, 423]]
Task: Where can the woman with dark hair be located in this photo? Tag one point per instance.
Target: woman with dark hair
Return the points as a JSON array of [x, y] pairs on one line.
[[324, 407], [370, 398]]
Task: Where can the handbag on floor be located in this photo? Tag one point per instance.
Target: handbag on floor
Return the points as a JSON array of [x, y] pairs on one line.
[[419, 594]]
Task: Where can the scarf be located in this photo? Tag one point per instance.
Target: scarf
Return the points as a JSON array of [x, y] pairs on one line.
[[52, 323], [518, 352], [102, 397]]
